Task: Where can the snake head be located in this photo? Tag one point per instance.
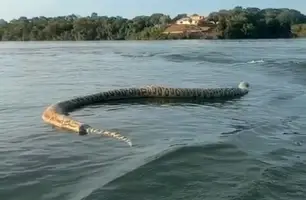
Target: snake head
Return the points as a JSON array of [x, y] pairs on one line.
[[244, 85]]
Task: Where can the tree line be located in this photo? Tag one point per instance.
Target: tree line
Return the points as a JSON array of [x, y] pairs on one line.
[[236, 23], [256, 23]]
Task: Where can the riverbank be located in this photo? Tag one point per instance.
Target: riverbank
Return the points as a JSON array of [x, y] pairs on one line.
[[236, 23]]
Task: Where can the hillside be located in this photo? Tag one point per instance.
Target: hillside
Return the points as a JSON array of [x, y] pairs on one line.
[[177, 28], [190, 31]]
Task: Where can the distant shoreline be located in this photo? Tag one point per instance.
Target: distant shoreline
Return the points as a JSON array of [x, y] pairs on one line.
[[236, 23], [140, 40], [152, 40]]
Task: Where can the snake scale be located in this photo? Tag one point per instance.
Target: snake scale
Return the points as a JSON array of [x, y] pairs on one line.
[[57, 114]]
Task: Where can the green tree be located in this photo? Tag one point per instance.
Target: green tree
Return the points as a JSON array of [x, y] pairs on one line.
[[234, 23]]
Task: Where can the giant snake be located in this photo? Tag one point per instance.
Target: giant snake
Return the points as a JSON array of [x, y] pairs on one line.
[[57, 114]]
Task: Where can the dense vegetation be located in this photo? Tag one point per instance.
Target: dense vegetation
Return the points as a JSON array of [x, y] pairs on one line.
[[299, 30], [256, 23], [231, 24]]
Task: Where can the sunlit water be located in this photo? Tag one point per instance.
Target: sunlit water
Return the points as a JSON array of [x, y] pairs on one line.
[[250, 148]]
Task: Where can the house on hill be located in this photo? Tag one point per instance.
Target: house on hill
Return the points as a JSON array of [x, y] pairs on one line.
[[194, 24], [191, 20]]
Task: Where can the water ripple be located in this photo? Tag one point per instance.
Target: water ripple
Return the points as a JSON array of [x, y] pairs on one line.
[[248, 148]]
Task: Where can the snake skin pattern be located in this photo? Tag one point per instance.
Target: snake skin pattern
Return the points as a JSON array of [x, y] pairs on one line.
[[57, 114]]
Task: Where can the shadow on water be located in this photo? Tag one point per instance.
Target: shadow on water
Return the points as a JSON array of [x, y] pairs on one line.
[[214, 171], [173, 102], [190, 56], [197, 57]]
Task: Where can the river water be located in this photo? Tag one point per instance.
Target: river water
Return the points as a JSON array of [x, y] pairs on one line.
[[250, 148]]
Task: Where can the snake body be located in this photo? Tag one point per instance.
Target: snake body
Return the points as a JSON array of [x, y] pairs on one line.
[[57, 114]]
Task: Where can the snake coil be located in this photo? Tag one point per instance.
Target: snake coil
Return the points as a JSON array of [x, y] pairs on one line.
[[57, 114]]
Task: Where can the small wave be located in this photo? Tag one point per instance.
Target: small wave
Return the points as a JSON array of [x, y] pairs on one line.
[[137, 55], [285, 63], [211, 57], [256, 61], [297, 65], [196, 57], [275, 182]]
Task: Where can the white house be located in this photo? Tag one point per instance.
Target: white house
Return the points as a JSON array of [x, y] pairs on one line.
[[194, 20]]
